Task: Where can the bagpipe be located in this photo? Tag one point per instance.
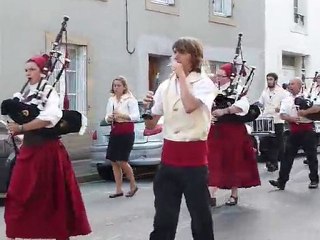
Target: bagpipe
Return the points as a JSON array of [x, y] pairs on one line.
[[236, 90], [305, 101], [24, 112]]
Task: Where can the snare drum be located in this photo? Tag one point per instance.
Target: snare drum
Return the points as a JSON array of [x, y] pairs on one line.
[[263, 126]]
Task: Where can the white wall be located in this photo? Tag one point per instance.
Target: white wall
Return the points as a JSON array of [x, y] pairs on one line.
[[282, 34]]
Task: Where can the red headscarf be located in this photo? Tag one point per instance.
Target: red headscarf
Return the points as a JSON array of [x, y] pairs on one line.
[[40, 60], [227, 68]]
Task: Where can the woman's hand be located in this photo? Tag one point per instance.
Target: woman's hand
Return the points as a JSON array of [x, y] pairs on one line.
[[110, 118], [219, 112]]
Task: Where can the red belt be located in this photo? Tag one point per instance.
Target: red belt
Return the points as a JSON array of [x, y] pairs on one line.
[[184, 154], [301, 127], [122, 128]]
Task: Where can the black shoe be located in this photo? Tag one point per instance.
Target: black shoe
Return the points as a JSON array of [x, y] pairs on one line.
[[272, 168], [232, 201], [306, 162], [313, 185], [277, 184]]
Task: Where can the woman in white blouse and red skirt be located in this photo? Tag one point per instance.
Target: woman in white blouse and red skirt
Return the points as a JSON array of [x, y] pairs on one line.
[[43, 198], [231, 159], [122, 111]]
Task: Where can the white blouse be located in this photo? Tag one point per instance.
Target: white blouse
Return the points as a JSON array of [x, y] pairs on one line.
[[51, 111], [128, 105], [242, 103]]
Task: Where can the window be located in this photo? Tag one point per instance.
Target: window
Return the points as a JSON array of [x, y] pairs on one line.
[[298, 12], [214, 66], [163, 6], [222, 8], [73, 83], [164, 2], [288, 60], [221, 12]]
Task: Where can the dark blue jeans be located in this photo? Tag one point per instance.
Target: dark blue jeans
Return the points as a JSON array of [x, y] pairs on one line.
[[169, 185]]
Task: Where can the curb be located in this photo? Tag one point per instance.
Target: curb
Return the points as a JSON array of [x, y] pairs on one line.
[[88, 178]]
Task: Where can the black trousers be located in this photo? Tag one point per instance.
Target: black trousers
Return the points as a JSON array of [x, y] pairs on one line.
[[272, 147], [170, 184], [308, 141]]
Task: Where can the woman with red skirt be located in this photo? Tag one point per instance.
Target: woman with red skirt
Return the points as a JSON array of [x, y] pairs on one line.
[[43, 199], [122, 110], [231, 159]]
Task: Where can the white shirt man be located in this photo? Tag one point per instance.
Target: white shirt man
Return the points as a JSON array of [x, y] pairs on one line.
[[271, 99]]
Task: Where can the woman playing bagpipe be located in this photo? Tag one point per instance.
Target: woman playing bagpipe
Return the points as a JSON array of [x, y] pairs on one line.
[[43, 198], [231, 158]]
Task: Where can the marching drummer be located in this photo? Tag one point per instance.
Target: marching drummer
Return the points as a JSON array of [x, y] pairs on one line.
[[270, 100], [302, 135]]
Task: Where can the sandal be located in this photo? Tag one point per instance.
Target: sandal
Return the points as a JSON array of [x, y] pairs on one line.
[[132, 193], [232, 201], [115, 195]]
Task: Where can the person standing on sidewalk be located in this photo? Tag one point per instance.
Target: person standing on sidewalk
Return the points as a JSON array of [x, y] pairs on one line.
[[270, 101], [302, 134], [184, 100], [122, 110]]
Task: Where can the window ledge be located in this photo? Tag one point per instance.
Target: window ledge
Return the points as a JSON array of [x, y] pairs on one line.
[[222, 20], [50, 38], [155, 7], [296, 28]]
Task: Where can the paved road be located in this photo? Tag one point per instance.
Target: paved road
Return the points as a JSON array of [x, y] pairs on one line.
[[262, 214]]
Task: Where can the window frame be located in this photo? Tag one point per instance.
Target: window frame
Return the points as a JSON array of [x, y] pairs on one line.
[[164, 2], [221, 18], [161, 7], [227, 13], [82, 100], [298, 12]]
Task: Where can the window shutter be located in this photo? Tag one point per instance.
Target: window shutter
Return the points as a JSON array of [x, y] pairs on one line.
[[228, 6], [217, 6], [170, 2]]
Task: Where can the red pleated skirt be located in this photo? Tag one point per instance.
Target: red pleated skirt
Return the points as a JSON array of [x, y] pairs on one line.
[[231, 158], [43, 199]]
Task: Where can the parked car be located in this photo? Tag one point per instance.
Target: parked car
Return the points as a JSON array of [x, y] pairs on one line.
[[7, 159], [146, 149]]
